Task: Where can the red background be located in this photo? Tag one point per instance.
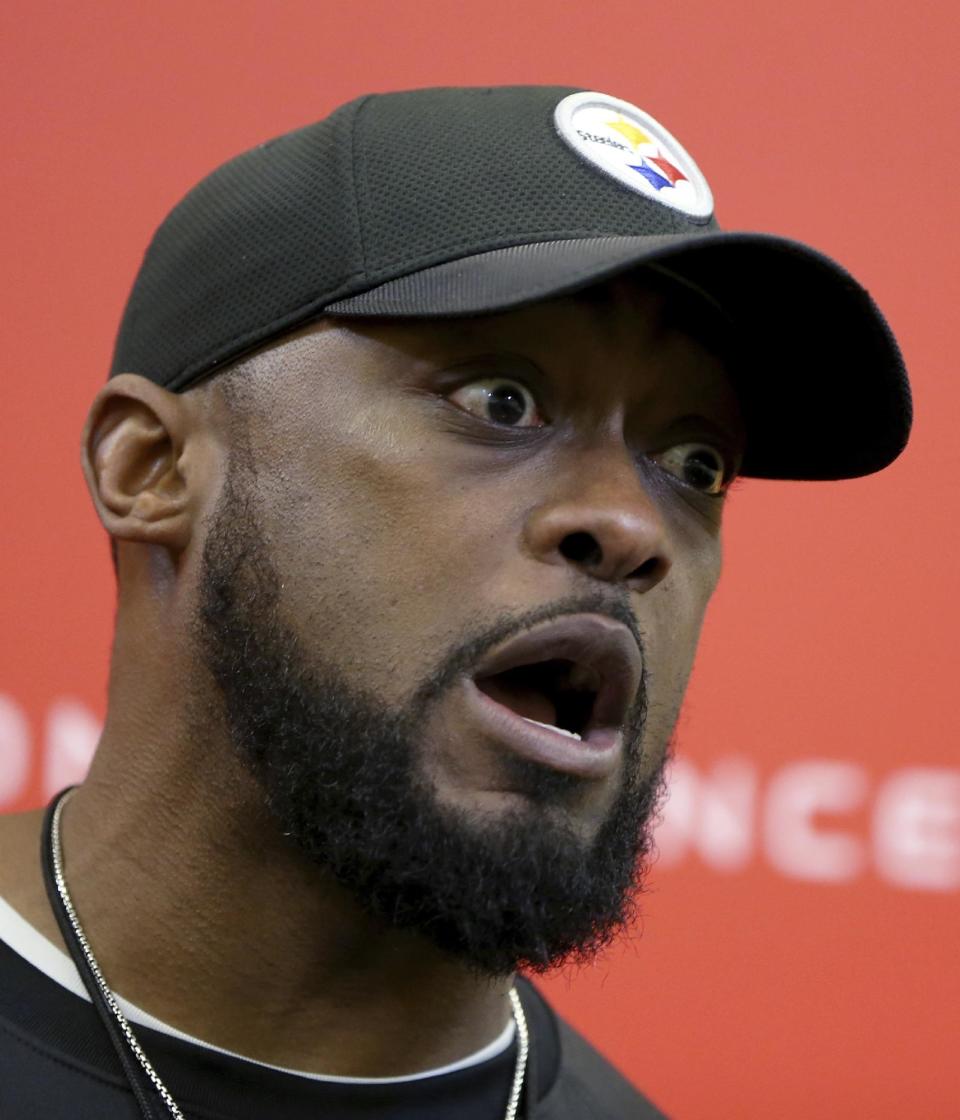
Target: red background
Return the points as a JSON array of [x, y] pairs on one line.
[[753, 991]]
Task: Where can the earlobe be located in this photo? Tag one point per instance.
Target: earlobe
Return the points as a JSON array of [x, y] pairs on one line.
[[133, 458]]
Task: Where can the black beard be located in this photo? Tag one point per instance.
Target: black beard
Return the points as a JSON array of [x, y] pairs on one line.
[[343, 777]]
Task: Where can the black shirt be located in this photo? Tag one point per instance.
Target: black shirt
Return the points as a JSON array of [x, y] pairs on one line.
[[56, 1063]]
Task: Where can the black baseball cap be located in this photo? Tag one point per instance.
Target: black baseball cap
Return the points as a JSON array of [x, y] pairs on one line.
[[466, 201]]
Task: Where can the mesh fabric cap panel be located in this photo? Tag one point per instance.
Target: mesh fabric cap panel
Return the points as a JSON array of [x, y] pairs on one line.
[[468, 170], [385, 185], [246, 247]]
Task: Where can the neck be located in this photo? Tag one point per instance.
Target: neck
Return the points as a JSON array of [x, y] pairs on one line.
[[199, 911]]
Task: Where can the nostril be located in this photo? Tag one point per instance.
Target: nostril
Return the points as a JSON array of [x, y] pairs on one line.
[[581, 548], [585, 549], [648, 570]]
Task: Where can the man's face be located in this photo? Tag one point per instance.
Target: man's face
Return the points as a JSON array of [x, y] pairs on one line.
[[433, 534]]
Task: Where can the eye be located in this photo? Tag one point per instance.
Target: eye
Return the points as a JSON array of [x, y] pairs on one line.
[[698, 465], [499, 400]]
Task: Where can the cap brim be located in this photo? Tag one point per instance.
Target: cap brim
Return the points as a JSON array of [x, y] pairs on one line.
[[821, 380]]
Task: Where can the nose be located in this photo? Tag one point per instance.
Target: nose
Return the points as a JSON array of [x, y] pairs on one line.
[[604, 522]]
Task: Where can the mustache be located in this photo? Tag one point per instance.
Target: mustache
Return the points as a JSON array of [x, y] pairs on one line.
[[477, 644]]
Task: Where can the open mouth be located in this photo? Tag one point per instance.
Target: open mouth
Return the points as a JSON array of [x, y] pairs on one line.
[[557, 694], [560, 692]]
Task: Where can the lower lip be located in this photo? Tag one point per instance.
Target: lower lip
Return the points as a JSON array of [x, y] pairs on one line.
[[596, 757]]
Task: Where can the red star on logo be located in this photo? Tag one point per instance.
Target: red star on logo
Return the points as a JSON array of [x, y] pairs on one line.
[[671, 172]]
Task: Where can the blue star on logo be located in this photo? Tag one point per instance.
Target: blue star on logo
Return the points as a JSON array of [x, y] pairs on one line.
[[654, 178]]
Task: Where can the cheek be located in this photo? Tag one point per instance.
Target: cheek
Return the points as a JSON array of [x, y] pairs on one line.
[[672, 618], [379, 551], [678, 605]]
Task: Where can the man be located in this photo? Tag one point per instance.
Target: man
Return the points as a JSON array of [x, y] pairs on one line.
[[413, 457]]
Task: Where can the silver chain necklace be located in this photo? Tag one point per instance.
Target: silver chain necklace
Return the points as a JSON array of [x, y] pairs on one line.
[[56, 851]]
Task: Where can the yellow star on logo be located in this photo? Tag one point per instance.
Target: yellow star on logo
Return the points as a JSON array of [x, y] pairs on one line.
[[630, 132]]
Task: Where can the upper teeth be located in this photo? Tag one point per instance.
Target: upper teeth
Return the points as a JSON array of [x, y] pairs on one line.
[[550, 727]]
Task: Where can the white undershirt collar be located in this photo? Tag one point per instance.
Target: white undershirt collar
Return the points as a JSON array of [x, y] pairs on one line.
[[30, 944]]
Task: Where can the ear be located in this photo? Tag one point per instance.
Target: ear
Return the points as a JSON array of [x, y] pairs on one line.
[[134, 459]]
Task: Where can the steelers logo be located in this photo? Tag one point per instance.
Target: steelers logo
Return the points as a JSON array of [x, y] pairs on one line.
[[636, 150]]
